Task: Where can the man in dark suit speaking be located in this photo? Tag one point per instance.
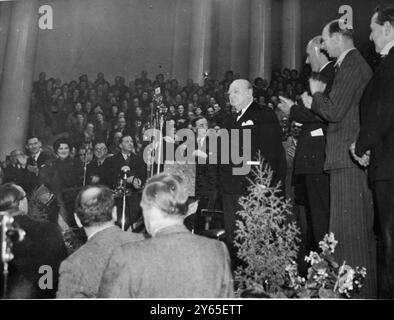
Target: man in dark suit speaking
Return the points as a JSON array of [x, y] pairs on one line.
[[377, 136], [265, 138]]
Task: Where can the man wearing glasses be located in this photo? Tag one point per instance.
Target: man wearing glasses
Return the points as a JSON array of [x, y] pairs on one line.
[[17, 172], [94, 168]]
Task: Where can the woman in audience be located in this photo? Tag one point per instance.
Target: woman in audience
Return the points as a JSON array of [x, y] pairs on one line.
[[64, 177]]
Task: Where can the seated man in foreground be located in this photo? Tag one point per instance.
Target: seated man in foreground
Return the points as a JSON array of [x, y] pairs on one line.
[[174, 263], [33, 272], [80, 274]]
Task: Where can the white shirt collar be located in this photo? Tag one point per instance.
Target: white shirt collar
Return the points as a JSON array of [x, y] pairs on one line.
[[35, 156], [342, 57], [385, 51], [125, 156], [324, 66], [244, 110], [99, 230]]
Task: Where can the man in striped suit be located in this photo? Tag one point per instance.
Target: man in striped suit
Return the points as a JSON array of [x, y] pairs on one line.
[[351, 207]]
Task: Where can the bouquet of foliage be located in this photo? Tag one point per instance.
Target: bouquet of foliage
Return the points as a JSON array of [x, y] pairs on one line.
[[265, 238], [326, 278], [267, 243]]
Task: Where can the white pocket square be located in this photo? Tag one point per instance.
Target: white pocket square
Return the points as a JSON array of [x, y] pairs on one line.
[[247, 123]]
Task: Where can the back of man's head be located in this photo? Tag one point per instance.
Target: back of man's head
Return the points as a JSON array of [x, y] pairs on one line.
[[10, 197], [339, 26], [94, 205], [385, 13]]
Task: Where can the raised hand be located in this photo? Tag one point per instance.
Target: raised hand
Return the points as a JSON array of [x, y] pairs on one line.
[[316, 86], [306, 100], [285, 105]]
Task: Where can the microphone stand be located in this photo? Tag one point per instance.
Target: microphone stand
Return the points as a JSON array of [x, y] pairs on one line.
[[85, 166], [9, 233], [124, 200], [5, 255], [160, 143]]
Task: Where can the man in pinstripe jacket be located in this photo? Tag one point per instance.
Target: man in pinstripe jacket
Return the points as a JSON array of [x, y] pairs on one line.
[[351, 207]]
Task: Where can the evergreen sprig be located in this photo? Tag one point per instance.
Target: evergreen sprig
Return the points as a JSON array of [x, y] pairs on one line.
[[266, 241]]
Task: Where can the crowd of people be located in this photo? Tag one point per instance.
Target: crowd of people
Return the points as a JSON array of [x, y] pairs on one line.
[[327, 125]]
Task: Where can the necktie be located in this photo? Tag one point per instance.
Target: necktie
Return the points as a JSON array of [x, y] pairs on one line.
[[200, 142]]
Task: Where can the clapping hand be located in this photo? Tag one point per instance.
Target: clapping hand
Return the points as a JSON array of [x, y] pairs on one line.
[[22, 160], [306, 100], [316, 86], [137, 183], [285, 105], [362, 161]]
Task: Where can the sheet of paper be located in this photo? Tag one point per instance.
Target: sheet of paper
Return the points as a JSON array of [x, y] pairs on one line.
[[317, 133]]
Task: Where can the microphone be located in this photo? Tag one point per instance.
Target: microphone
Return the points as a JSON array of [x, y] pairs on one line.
[[125, 170]]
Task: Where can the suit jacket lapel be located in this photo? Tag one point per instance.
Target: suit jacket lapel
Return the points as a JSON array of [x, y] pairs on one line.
[[247, 115]]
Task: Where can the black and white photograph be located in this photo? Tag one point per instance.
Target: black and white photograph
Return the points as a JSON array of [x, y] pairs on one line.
[[232, 150]]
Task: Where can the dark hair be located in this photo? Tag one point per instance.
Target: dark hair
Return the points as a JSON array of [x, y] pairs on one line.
[[336, 27], [258, 79], [60, 141], [10, 195], [124, 136], [32, 137], [198, 118], [385, 13], [97, 209], [99, 141]]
